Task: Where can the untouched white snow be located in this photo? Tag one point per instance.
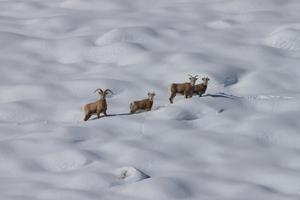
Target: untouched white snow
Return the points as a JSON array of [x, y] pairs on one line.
[[240, 141]]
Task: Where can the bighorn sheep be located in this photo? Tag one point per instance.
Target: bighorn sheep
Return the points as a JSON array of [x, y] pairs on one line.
[[185, 89], [201, 88], [97, 107], [145, 104]]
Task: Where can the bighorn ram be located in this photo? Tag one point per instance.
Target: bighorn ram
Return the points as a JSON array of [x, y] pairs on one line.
[[97, 107], [185, 89], [201, 88], [145, 104]]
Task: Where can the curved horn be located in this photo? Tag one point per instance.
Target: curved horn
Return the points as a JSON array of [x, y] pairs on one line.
[[98, 89], [190, 75], [108, 90]]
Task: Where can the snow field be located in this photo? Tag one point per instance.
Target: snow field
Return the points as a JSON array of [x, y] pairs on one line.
[[239, 141]]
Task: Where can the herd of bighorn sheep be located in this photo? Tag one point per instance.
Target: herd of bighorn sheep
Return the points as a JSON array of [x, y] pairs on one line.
[[188, 89]]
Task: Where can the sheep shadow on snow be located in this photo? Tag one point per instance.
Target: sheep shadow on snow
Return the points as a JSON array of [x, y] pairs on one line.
[[129, 113], [113, 115], [119, 114]]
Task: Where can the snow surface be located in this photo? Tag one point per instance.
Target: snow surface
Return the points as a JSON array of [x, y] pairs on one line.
[[240, 141]]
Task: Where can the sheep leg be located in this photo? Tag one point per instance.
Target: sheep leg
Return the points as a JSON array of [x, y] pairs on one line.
[[98, 113], [133, 110], [186, 94], [172, 97], [104, 112], [87, 116]]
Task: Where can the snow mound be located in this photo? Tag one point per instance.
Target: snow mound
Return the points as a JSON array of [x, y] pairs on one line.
[[130, 174], [286, 38], [252, 6], [21, 92], [119, 53], [87, 180], [159, 188], [65, 51], [90, 5], [177, 112], [17, 112], [21, 9], [220, 24], [77, 50], [128, 34], [67, 160]]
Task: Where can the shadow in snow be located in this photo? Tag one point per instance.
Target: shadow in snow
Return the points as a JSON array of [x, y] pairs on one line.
[[111, 115], [118, 114], [222, 95], [102, 116]]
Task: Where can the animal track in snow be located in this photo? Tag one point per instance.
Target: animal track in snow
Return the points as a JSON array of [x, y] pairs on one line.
[[286, 38], [65, 161]]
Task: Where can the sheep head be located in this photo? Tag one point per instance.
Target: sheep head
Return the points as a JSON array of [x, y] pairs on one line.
[[205, 80], [151, 95], [193, 79]]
